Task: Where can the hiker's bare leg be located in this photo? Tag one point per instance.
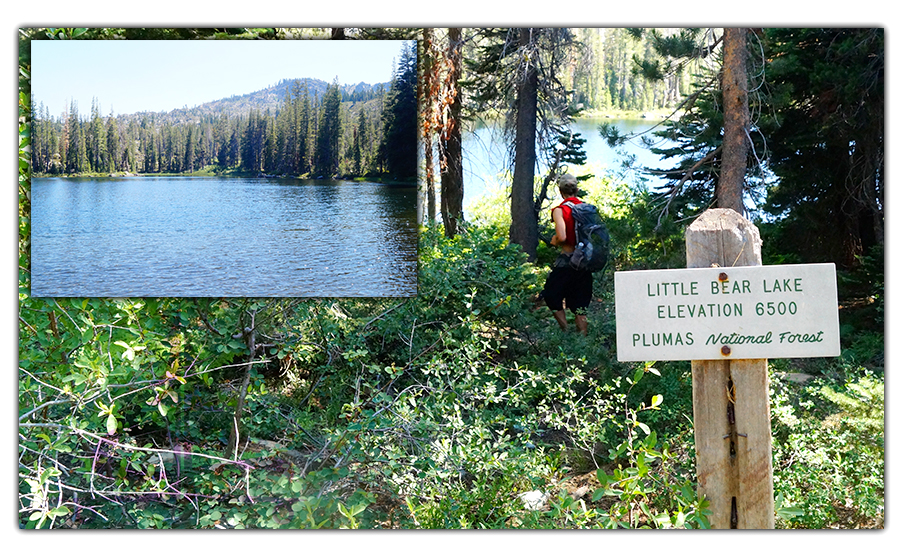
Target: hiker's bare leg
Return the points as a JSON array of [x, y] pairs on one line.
[[560, 316], [581, 324]]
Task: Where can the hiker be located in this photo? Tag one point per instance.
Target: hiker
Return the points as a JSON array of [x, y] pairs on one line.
[[566, 284]]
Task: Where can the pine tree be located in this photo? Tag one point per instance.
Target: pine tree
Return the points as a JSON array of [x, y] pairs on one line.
[[428, 99], [253, 143], [76, 151], [305, 133], [714, 132], [359, 139], [98, 139], [523, 230], [151, 156], [222, 137], [271, 146], [825, 135], [41, 147], [189, 156], [286, 134], [204, 144], [233, 150], [517, 71], [450, 141], [328, 138], [736, 121], [400, 118], [112, 143]]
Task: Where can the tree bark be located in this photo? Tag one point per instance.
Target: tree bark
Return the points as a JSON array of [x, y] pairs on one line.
[[451, 140], [735, 141], [523, 229], [428, 98]]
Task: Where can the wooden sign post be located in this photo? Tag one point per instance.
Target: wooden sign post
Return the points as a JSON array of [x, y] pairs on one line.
[[732, 426], [727, 313]]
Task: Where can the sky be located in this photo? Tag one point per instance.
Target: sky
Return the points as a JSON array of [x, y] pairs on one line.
[[162, 75]]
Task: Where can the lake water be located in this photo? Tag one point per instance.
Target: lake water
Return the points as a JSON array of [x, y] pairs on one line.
[[212, 237], [486, 168]]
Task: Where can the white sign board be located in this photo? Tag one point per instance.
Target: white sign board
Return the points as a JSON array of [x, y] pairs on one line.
[[751, 312]]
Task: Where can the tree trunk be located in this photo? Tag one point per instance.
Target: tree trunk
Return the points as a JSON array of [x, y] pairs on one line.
[[429, 177], [428, 98], [735, 141], [451, 141], [523, 230]]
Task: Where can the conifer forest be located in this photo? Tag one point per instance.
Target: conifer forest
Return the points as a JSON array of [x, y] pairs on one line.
[[317, 129], [465, 406]]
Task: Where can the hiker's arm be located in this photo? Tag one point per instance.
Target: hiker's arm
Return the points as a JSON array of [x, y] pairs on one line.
[[560, 236]]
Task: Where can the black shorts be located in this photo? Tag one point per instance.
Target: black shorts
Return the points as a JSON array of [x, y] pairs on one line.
[[575, 287]]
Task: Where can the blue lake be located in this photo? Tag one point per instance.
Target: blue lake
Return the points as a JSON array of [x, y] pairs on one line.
[[217, 237], [485, 159]]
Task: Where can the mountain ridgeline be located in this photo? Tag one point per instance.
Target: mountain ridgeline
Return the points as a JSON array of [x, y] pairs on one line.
[[297, 127], [269, 99]]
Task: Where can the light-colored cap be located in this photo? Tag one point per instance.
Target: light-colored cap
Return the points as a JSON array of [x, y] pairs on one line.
[[568, 183]]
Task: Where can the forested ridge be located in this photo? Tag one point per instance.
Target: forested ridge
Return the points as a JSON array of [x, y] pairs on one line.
[[466, 406], [296, 127]]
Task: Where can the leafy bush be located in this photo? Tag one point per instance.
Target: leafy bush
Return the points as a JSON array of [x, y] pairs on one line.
[[828, 446]]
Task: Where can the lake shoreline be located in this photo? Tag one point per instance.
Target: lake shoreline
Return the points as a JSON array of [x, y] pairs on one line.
[[637, 115], [235, 175]]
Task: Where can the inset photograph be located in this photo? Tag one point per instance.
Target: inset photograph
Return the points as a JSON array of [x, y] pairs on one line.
[[192, 168]]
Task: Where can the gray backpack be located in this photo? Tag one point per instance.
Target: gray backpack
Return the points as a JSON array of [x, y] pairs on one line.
[[591, 238]]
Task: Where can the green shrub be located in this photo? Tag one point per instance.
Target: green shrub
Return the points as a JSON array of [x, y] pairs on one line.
[[828, 448]]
